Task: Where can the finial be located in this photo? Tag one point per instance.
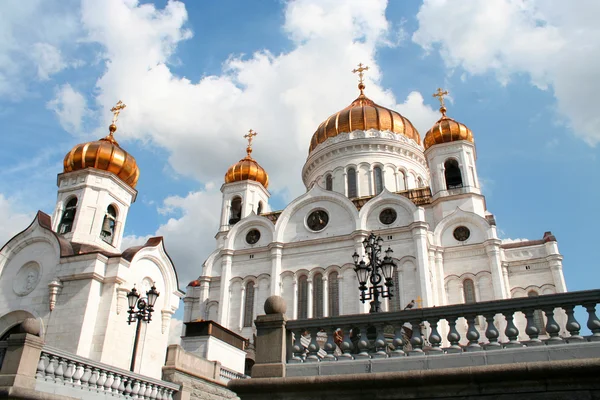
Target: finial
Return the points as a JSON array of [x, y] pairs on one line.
[[360, 70], [250, 135], [116, 110], [440, 95]]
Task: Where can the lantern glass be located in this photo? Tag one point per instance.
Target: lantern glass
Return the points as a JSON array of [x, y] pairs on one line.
[[152, 296], [389, 252], [362, 273], [379, 241], [132, 298], [387, 268], [355, 257]]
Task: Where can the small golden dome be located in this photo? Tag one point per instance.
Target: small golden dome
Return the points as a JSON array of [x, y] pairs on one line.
[[446, 130], [104, 154], [363, 114], [247, 168]]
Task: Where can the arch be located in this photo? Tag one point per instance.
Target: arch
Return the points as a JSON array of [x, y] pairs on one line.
[[351, 182], [377, 180], [68, 216], [469, 291], [14, 318], [253, 220], [109, 224], [249, 303], [460, 216], [235, 210], [385, 198], [328, 182], [452, 174], [212, 311]]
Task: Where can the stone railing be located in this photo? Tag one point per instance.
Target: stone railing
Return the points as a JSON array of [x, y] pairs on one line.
[[61, 368], [485, 326], [226, 374]]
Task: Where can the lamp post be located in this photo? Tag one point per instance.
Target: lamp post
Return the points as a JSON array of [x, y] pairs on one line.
[[375, 271], [145, 308]]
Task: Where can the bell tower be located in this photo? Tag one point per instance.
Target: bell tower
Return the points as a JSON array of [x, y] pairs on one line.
[[95, 191]]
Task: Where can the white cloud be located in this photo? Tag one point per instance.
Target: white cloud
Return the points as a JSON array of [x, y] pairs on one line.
[[48, 59], [556, 43], [13, 220], [175, 331], [70, 106]]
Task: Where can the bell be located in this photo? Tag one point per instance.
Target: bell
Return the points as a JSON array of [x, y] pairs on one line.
[[107, 228]]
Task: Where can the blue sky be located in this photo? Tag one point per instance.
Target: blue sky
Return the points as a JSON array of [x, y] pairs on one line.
[[196, 75]]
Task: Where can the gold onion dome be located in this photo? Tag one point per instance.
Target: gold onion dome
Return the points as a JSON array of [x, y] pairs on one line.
[[446, 129], [104, 154], [247, 168], [363, 114]]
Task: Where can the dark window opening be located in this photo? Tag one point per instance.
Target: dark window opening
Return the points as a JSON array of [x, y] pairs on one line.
[[351, 177], [334, 295], [236, 210], [469, 291], [108, 225], [260, 208], [378, 177], [329, 182], [303, 297], [318, 296], [68, 217], [452, 175], [249, 304]]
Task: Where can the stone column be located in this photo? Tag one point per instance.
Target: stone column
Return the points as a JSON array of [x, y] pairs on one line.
[[271, 340], [555, 263], [419, 232], [295, 310], [242, 307], [325, 296], [441, 276], [309, 301], [226, 260], [276, 253], [492, 248], [341, 293], [371, 180]]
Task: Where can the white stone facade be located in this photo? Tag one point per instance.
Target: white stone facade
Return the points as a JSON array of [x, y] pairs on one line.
[[433, 265]]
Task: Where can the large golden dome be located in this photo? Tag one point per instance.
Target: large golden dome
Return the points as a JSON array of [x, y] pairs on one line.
[[104, 154], [247, 168], [362, 114], [446, 130]]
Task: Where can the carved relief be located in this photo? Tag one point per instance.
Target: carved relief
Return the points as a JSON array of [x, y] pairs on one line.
[[27, 279]]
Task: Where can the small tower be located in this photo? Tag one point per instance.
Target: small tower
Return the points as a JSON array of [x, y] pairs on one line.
[[450, 153], [95, 191], [244, 190]]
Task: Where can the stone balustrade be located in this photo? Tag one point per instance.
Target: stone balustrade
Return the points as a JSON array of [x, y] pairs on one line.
[[97, 379], [226, 374], [485, 326]]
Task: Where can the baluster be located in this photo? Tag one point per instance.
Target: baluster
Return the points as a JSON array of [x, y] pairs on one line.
[[453, 336], [78, 374], [41, 367], [85, 378], [169, 394], [142, 391], [552, 327], [435, 339], [51, 368], [313, 347], [114, 388], [60, 370], [532, 330], [398, 342], [416, 339], [125, 387], [161, 394], [148, 391], [572, 325], [347, 345], [94, 378], [491, 333], [110, 379], [593, 323], [511, 331], [69, 372], [363, 344], [330, 345], [297, 348], [154, 392], [135, 389], [472, 334], [379, 346]]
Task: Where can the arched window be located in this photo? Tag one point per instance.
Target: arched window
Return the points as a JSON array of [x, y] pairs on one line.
[[236, 210], [329, 182], [68, 217], [318, 296], [452, 175], [260, 208], [538, 315], [420, 182], [249, 304], [395, 303], [351, 177], [302, 297], [108, 225], [334, 294], [469, 291], [378, 178], [14, 329]]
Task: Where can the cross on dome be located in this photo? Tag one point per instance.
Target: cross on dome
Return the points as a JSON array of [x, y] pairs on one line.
[[116, 110], [440, 95], [250, 135], [360, 71]]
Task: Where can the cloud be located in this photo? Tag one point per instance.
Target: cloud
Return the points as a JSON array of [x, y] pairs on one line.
[[175, 331], [556, 43], [48, 59], [70, 106], [13, 219]]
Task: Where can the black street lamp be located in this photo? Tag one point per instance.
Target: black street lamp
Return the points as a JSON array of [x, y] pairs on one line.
[[375, 271], [145, 308]]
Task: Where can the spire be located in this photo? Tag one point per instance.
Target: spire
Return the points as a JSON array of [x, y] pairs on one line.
[[440, 95], [360, 70], [250, 135], [116, 110]]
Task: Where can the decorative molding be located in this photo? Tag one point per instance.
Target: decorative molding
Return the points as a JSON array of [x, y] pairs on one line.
[[54, 289]]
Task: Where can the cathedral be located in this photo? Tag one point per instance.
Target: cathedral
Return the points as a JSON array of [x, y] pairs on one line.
[[367, 170]]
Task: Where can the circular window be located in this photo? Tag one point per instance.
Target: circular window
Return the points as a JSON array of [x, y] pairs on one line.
[[317, 220], [461, 233], [388, 216], [253, 236]]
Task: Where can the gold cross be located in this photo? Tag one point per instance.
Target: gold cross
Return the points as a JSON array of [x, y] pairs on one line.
[[419, 302], [360, 71], [116, 110], [250, 135], [440, 95]]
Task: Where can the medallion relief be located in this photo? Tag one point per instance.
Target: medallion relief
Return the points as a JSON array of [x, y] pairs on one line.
[[27, 279]]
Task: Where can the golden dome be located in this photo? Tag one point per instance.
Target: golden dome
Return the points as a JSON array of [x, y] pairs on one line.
[[247, 168], [104, 154], [446, 130], [363, 114]]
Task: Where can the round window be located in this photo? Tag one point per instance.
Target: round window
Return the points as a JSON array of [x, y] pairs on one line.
[[388, 216], [317, 220], [461, 233], [253, 236]]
